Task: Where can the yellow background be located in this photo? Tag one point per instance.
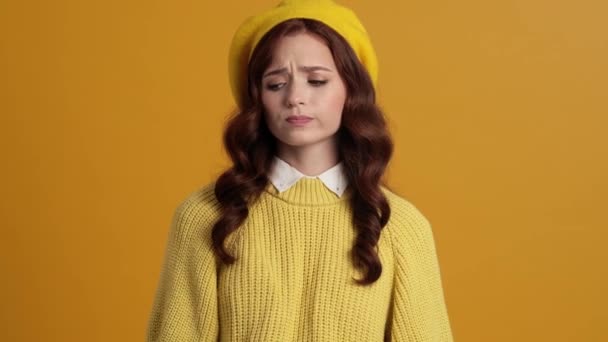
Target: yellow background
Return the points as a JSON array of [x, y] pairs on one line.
[[112, 111]]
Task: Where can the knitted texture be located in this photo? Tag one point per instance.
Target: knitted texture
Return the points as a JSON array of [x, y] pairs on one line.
[[292, 280]]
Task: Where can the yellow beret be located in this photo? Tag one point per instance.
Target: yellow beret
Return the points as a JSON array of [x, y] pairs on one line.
[[341, 19]]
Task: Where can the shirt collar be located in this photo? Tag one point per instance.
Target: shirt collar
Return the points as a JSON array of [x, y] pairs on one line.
[[283, 176]]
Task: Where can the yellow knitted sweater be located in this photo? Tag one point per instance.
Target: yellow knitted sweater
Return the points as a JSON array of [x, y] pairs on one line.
[[292, 280]]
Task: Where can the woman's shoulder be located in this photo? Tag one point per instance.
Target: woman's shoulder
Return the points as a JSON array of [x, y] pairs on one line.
[[198, 206], [401, 205], [406, 219], [203, 195]]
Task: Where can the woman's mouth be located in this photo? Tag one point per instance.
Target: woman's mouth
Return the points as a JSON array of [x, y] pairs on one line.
[[299, 120]]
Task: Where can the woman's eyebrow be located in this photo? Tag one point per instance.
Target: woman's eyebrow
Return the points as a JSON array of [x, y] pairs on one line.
[[302, 68]]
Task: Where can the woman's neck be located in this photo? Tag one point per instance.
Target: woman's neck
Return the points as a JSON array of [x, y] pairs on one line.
[[311, 160]]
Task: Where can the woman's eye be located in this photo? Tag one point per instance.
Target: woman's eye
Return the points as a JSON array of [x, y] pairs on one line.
[[317, 82], [277, 86], [274, 86]]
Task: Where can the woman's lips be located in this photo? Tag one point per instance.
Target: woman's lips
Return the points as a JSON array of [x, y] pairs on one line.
[[298, 119]]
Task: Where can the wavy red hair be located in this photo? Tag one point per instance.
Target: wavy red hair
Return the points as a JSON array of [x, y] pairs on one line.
[[365, 147]]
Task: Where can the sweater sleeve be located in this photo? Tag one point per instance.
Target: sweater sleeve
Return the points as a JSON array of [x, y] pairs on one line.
[[185, 306], [418, 311]]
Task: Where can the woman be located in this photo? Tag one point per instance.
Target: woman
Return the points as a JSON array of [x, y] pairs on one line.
[[300, 239]]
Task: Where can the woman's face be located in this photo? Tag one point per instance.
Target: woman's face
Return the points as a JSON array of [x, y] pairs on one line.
[[302, 80]]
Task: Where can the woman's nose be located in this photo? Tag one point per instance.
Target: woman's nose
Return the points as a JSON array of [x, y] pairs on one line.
[[295, 94]]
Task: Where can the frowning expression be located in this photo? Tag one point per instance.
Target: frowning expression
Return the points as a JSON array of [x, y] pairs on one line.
[[302, 92]]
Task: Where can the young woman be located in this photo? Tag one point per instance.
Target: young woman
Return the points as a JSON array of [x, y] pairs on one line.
[[301, 240]]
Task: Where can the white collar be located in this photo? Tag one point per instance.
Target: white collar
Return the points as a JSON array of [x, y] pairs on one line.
[[283, 176]]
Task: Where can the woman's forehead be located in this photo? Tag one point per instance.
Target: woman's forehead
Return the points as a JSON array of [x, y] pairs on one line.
[[272, 70], [302, 50]]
